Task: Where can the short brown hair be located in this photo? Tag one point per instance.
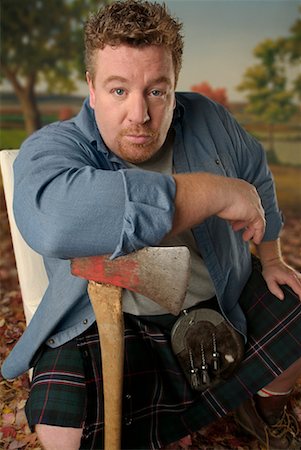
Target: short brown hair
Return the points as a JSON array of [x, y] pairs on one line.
[[136, 23]]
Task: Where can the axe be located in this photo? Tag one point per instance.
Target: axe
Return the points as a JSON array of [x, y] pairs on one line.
[[159, 273]]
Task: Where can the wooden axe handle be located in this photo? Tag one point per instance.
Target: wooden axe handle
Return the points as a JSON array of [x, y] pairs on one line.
[[107, 304]]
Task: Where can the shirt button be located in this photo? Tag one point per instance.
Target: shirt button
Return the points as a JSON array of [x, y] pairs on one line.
[[51, 341], [128, 396], [85, 321], [217, 161], [85, 353]]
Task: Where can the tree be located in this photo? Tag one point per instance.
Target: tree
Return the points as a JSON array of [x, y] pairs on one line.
[[218, 94], [291, 48], [266, 84], [42, 41]]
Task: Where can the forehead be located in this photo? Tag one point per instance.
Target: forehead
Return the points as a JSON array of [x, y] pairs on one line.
[[134, 62]]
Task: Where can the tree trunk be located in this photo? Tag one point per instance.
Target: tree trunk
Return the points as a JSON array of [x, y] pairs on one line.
[[27, 98], [31, 113]]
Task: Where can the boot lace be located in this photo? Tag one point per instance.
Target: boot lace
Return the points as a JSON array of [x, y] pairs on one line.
[[286, 427]]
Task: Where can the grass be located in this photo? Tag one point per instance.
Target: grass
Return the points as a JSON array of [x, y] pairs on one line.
[[11, 138], [294, 135], [288, 186]]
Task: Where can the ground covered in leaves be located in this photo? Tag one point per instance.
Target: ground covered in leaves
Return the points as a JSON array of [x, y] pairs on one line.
[[14, 431]]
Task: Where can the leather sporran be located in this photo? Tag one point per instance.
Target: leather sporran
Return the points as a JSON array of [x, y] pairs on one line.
[[207, 347]]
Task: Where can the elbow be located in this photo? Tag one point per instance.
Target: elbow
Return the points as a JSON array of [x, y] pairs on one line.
[[46, 240], [59, 241], [49, 244]]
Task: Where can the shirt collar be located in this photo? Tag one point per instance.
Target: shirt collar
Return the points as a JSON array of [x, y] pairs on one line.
[[85, 121]]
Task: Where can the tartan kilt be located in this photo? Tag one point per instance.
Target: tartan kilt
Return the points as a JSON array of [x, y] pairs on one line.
[[158, 405]]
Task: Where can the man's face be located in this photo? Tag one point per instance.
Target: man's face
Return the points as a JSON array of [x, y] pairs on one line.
[[133, 99]]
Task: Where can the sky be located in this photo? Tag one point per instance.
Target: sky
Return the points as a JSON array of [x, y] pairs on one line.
[[220, 36]]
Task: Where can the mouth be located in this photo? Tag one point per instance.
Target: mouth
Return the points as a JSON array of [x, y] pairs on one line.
[[140, 139]]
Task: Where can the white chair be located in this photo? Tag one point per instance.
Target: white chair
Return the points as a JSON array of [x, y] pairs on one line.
[[30, 267]]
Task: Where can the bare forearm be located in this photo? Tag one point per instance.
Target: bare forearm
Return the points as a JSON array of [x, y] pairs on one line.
[[194, 200], [201, 195]]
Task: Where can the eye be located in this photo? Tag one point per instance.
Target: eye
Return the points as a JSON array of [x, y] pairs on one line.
[[156, 93], [119, 91]]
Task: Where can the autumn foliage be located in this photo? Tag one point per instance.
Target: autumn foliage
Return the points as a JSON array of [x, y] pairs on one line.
[[217, 94]]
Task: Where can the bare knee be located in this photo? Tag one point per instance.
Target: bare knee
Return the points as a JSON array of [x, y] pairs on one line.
[[58, 438]]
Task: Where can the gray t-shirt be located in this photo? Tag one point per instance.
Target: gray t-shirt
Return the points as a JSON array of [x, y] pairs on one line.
[[200, 287]]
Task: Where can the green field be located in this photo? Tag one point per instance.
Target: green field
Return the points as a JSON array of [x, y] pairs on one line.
[[288, 152], [288, 186], [11, 138]]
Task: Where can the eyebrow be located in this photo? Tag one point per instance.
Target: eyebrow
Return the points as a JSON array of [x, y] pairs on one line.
[[114, 78]]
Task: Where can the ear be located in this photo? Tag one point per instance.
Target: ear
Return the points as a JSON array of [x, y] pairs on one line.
[[91, 90]]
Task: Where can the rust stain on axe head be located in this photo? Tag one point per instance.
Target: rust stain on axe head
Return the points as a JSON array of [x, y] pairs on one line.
[[122, 271]]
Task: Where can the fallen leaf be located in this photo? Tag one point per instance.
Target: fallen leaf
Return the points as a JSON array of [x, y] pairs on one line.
[[8, 419], [16, 444], [21, 403], [7, 410], [8, 432], [20, 419]]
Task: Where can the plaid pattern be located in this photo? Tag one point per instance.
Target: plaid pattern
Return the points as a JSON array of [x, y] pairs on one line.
[[274, 343], [59, 375], [158, 405]]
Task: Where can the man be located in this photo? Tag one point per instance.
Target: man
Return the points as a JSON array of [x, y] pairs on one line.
[[142, 166]]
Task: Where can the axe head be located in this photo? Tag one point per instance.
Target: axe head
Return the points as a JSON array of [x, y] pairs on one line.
[[159, 273]]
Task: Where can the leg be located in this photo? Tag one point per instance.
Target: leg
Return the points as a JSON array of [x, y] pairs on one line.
[[286, 381], [56, 406], [57, 438], [268, 415], [272, 400], [271, 418]]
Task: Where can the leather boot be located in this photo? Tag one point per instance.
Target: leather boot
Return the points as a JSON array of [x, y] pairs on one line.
[[271, 408], [276, 429]]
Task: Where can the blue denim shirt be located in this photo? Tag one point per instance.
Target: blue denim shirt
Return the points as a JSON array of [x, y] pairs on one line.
[[73, 197]]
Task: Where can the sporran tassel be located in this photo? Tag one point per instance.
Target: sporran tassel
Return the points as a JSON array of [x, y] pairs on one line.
[[194, 373], [204, 368], [215, 355]]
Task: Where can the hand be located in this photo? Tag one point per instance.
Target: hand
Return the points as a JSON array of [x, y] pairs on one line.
[[276, 273], [244, 209]]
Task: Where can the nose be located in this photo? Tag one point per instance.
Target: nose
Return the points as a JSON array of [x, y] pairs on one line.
[[138, 109]]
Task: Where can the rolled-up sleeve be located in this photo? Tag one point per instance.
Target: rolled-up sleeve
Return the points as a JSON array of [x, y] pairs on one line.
[[149, 209]]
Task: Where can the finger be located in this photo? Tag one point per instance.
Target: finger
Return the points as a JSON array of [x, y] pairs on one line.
[[258, 236], [294, 282], [249, 234], [275, 289], [238, 225], [259, 227], [255, 233]]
